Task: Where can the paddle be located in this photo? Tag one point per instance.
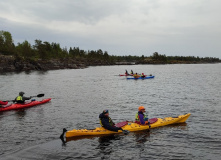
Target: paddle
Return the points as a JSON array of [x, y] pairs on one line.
[[126, 132], [64, 131], [39, 95], [149, 125], [62, 136]]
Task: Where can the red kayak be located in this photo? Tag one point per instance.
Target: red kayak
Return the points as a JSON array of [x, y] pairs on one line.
[[25, 105], [129, 75]]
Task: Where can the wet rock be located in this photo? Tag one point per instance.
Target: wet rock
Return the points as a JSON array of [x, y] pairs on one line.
[[11, 64]]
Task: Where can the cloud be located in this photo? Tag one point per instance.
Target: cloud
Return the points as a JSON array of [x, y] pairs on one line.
[[118, 26]]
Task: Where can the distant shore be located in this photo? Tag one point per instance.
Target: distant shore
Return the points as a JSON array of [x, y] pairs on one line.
[[13, 64], [45, 56]]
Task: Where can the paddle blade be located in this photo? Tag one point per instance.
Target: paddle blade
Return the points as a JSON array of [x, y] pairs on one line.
[[40, 95], [64, 131], [62, 136]]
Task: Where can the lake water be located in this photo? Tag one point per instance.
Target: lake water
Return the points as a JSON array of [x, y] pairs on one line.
[[79, 96]]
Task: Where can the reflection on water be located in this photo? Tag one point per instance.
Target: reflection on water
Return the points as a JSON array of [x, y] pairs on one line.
[[142, 136], [20, 113], [105, 145]]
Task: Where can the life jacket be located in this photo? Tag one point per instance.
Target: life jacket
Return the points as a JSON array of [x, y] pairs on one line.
[[137, 119], [110, 122], [19, 98], [143, 76]]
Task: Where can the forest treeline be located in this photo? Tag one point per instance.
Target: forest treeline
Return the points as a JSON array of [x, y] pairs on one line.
[[46, 51]]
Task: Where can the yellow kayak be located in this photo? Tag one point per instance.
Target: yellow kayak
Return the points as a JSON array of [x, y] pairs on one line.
[[130, 126]]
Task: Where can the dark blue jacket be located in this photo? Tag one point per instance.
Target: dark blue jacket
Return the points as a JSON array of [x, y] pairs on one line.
[[108, 123]]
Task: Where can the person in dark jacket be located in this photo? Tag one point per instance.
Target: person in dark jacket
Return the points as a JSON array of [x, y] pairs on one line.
[[107, 123], [21, 98]]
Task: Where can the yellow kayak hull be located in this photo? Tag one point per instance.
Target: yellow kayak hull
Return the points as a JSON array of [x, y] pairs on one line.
[[131, 126]]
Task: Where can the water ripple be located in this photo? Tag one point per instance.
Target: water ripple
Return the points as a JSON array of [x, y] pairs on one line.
[[78, 97]]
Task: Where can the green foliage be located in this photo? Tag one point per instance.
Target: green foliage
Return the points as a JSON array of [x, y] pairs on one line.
[[190, 59], [46, 50], [24, 49], [159, 57], [106, 56], [7, 46], [126, 58], [76, 52]]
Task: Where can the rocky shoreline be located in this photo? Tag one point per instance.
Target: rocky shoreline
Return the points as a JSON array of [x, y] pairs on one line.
[[10, 63], [13, 64]]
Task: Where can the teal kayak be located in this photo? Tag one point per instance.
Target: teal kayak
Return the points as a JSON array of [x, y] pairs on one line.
[[141, 77]]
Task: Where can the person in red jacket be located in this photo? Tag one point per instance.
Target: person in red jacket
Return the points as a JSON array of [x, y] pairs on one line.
[[142, 75], [126, 72]]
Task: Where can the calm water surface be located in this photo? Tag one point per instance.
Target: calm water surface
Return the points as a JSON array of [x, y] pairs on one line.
[[78, 97]]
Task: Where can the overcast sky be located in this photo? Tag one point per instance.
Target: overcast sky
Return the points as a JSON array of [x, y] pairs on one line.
[[120, 27]]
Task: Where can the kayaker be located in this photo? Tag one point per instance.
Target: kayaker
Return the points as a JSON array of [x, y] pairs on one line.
[[126, 72], [3, 103], [131, 72], [141, 118], [21, 98], [142, 75], [107, 123], [136, 75]]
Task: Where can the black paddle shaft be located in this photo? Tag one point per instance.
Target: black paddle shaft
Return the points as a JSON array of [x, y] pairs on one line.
[[39, 95]]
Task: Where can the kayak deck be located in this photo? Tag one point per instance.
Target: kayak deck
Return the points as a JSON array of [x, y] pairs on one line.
[[130, 126], [25, 105]]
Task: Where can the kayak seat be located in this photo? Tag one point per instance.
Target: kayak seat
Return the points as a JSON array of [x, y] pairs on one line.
[[121, 124], [153, 120]]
